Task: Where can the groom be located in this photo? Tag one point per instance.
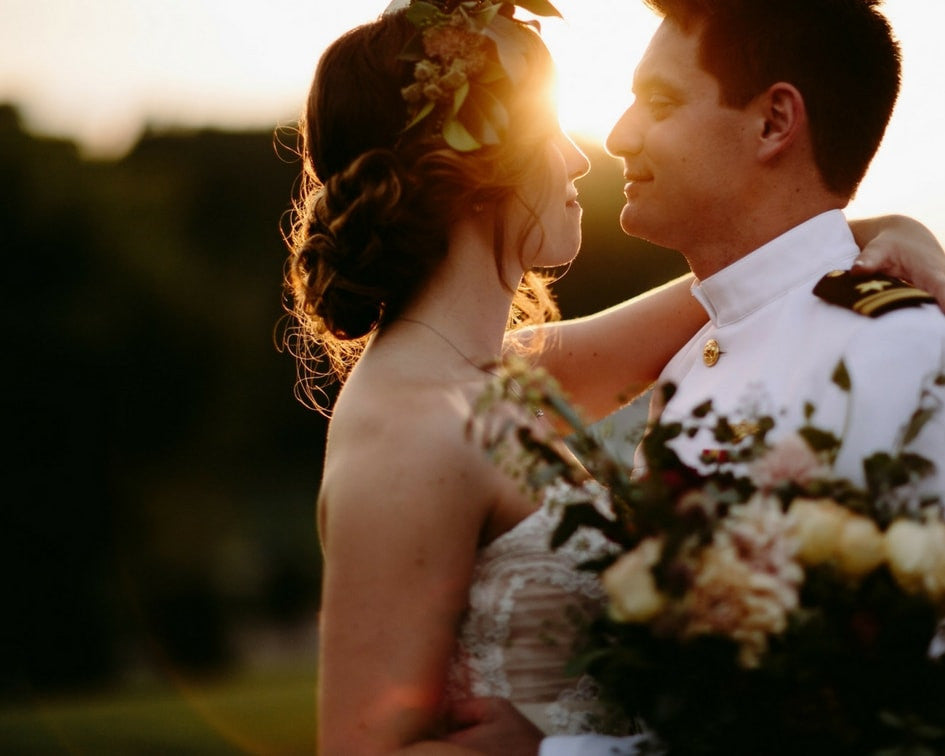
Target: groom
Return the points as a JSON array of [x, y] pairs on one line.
[[752, 126]]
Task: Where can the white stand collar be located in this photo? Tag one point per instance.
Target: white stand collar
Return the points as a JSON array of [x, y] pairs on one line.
[[813, 248]]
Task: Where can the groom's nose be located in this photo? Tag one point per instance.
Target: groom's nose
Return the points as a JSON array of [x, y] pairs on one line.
[[625, 137]]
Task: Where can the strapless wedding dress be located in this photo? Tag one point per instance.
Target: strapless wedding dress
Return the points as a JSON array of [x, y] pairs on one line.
[[525, 606]]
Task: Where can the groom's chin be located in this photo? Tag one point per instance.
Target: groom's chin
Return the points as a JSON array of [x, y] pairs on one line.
[[631, 225]]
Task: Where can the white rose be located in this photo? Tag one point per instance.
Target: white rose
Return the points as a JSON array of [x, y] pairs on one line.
[[630, 585], [861, 547], [816, 525]]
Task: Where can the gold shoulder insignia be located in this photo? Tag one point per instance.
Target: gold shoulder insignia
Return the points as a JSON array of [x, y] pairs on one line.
[[871, 295]]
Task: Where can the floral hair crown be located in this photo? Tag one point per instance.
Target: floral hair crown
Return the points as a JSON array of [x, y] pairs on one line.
[[462, 51]]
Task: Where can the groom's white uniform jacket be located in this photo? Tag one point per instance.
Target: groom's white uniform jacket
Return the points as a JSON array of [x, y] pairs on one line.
[[772, 345]]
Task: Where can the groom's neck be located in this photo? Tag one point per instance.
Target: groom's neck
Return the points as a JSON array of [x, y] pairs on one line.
[[755, 226]]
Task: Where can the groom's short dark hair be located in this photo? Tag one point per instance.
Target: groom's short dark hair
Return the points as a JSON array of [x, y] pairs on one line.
[[840, 54]]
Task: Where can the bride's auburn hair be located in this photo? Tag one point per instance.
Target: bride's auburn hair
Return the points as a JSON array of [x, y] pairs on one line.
[[376, 201]]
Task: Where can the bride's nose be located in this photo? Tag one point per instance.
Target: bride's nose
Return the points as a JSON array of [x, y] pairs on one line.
[[576, 161]]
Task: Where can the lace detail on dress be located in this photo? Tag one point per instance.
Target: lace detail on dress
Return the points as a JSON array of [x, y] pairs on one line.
[[526, 604]]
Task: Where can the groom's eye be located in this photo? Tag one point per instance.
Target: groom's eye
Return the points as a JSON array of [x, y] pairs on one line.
[[659, 104]]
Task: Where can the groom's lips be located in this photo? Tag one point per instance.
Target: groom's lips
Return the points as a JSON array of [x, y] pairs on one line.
[[634, 179]]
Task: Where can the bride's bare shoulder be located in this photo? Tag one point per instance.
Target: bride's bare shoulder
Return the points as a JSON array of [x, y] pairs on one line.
[[399, 457], [394, 423], [391, 405]]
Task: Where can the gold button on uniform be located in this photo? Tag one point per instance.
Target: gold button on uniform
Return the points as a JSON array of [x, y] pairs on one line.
[[711, 352]]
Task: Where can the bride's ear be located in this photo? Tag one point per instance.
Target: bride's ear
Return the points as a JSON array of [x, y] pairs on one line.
[[782, 119]]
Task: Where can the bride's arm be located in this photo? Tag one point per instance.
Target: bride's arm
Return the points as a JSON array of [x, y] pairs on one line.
[[400, 530], [604, 360]]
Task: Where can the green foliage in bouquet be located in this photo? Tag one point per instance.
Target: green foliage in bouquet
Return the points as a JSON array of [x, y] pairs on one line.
[[758, 604]]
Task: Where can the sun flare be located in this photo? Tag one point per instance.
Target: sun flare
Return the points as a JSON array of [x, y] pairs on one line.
[[595, 54]]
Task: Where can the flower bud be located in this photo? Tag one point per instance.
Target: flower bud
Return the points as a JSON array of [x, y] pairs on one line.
[[433, 92], [412, 94], [453, 80], [425, 70]]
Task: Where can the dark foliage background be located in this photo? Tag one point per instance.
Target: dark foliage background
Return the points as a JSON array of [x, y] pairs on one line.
[[160, 475]]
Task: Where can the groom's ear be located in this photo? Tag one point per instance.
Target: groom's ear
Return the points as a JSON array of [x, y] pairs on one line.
[[782, 119]]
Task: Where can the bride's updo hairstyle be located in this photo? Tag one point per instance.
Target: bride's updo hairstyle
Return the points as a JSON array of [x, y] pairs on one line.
[[388, 169]]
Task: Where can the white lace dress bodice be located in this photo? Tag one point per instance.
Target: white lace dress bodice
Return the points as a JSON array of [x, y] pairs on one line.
[[525, 605]]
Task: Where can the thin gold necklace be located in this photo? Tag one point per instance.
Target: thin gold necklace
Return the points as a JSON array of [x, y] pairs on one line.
[[483, 368]]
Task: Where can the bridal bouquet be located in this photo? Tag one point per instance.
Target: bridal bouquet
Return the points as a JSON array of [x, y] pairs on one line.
[[758, 604]]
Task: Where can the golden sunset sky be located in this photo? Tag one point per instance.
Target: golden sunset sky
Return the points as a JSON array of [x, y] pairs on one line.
[[98, 71]]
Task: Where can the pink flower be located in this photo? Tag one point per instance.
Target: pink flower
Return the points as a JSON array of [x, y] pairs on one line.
[[747, 581], [451, 43], [790, 460]]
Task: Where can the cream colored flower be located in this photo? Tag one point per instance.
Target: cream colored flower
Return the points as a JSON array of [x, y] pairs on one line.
[[916, 553], [816, 524], [790, 460], [905, 541], [935, 578], [861, 547], [630, 585]]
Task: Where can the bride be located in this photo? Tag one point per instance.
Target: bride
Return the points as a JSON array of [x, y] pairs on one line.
[[416, 238]]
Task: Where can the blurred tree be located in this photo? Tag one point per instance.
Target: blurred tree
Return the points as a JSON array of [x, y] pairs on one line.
[[162, 476], [58, 506]]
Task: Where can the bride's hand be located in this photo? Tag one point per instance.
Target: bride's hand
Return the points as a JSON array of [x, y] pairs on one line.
[[492, 726], [902, 247]]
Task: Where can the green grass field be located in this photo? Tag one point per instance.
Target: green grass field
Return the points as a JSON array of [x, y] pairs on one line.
[[263, 713]]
